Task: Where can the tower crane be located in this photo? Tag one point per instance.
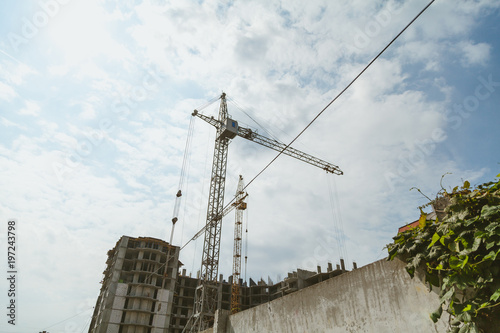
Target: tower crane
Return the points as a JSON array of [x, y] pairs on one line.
[[227, 129], [241, 205]]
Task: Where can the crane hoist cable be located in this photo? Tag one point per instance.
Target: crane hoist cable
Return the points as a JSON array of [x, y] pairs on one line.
[[184, 169], [206, 296], [205, 178], [246, 241], [239, 107], [338, 227], [323, 110]]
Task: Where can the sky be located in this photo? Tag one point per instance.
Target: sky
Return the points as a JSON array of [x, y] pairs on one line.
[[95, 104]]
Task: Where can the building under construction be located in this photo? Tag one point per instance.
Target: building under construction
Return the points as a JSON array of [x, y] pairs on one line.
[[137, 288], [144, 291]]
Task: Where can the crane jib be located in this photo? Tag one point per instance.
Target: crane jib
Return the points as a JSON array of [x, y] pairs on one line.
[[230, 129]]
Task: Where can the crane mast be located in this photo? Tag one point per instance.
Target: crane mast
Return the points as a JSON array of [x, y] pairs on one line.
[[238, 224], [206, 293], [227, 129]]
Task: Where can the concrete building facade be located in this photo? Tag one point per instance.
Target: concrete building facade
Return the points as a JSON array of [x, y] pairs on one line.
[[142, 293], [138, 287]]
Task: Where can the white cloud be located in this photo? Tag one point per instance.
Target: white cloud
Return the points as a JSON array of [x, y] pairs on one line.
[[474, 54], [283, 62], [78, 40], [58, 70], [31, 109], [7, 92], [88, 112], [7, 123]]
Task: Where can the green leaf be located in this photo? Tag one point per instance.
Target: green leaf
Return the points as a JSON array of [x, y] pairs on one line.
[[465, 317], [464, 329], [491, 227], [433, 279], [466, 185], [463, 241], [460, 262], [488, 212], [393, 251], [454, 262], [476, 244], [495, 295], [435, 238], [437, 314], [416, 261], [485, 304], [410, 270], [491, 256], [422, 221], [473, 328], [465, 259], [399, 240], [448, 295]]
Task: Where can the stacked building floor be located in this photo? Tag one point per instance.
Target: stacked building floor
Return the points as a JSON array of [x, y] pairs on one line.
[[144, 291]]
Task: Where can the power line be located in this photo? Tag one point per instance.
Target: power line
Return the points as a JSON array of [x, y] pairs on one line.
[[341, 93], [324, 109]]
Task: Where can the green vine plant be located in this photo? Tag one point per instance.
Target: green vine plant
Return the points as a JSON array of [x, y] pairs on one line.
[[460, 255]]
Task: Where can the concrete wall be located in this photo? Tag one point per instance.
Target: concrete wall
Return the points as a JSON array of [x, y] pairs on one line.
[[377, 298]]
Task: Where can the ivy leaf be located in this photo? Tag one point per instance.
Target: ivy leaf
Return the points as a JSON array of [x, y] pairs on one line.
[[490, 245], [454, 262], [491, 227], [491, 256], [476, 244], [469, 328], [448, 295], [422, 221], [411, 270], [458, 262], [393, 251], [484, 305], [495, 295], [487, 212], [465, 317], [443, 238], [437, 314], [462, 263], [435, 238]]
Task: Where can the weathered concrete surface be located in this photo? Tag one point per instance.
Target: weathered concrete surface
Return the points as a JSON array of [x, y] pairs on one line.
[[377, 298]]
